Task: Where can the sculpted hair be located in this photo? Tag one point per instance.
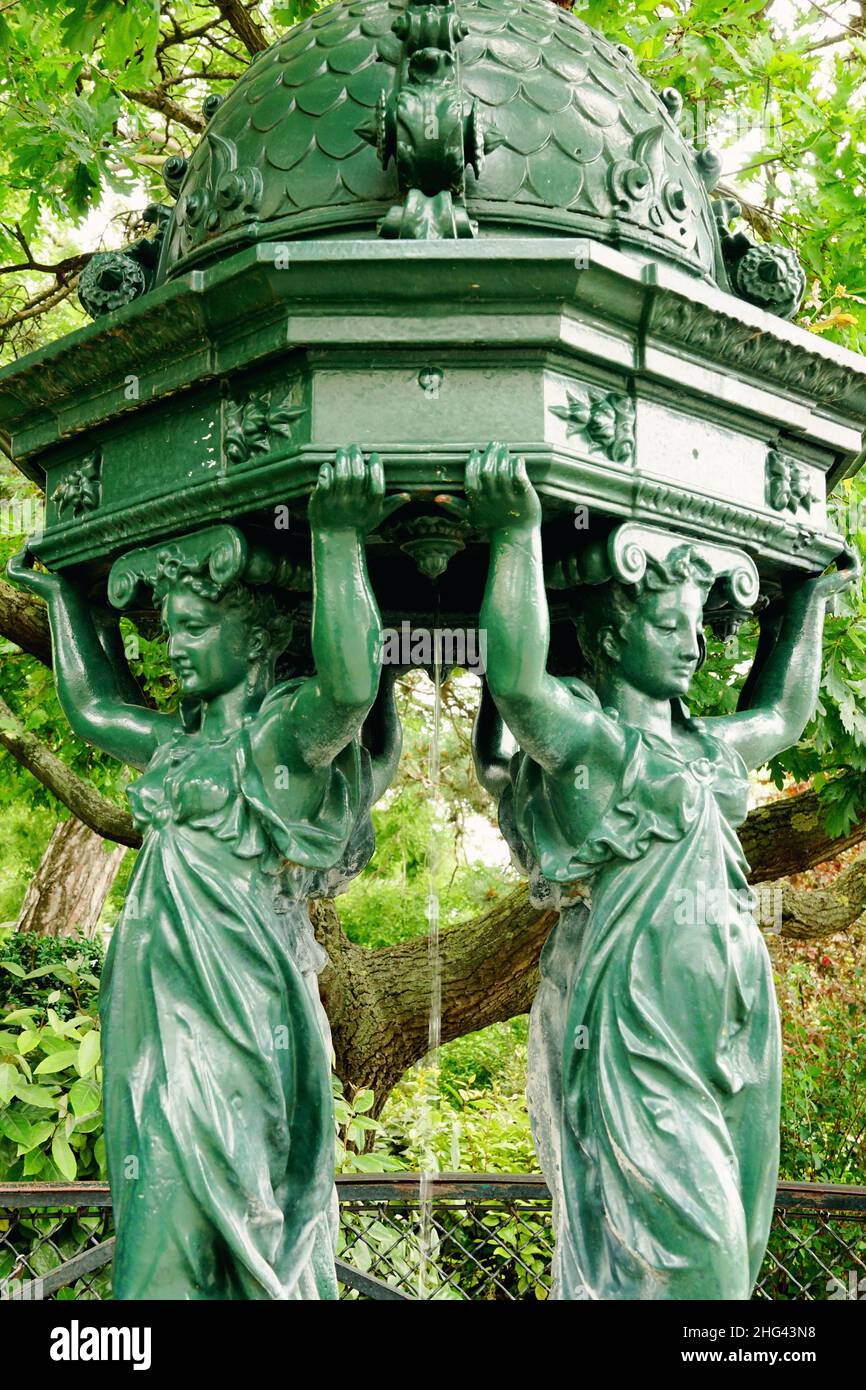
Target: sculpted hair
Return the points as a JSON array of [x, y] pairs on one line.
[[259, 606], [610, 605]]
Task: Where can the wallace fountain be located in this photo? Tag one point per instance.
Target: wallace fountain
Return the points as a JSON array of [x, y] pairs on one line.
[[444, 319]]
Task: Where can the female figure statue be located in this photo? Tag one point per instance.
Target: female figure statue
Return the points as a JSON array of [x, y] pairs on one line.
[[666, 1114], [218, 1109]]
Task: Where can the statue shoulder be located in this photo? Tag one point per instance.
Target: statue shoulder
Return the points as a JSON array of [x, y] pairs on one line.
[[283, 693]]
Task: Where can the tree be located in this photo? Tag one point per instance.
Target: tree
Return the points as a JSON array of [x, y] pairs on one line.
[[67, 892], [100, 95]]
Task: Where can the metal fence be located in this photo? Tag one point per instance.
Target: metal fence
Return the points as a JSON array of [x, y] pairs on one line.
[[479, 1237]]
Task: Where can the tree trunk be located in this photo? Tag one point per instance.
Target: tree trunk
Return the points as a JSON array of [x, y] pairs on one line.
[[378, 1002], [67, 892]]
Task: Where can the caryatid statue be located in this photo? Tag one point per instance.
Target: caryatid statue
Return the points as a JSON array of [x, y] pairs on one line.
[[661, 1038], [218, 1109]]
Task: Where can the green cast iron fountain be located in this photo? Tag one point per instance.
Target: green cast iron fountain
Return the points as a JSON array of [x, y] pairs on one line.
[[411, 229]]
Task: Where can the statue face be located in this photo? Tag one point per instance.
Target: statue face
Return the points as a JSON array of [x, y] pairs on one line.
[[208, 644], [660, 646]]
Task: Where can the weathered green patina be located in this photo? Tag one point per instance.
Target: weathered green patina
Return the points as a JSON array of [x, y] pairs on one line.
[[444, 224], [218, 1115], [656, 1040]]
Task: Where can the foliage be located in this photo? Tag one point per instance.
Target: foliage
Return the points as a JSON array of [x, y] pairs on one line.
[[388, 901], [50, 1072], [360, 1147], [824, 1075], [26, 832], [29, 959]]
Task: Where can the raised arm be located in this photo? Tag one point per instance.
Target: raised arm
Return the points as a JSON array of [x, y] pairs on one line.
[[780, 694], [94, 686], [540, 711], [347, 502]]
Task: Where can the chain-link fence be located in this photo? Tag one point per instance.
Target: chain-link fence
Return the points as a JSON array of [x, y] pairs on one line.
[[478, 1237]]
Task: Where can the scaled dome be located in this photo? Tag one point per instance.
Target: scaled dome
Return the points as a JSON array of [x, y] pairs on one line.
[[575, 141]]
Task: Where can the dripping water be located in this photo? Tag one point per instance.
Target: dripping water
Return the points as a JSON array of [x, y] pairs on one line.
[[430, 1115]]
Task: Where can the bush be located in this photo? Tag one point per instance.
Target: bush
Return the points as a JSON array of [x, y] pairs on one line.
[[29, 958], [50, 1072]]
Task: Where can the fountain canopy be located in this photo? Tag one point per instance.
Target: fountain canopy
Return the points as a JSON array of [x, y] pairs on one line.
[[420, 227], [567, 138]]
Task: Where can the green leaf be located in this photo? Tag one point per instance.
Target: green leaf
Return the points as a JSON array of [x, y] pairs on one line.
[[58, 1062], [89, 1052], [63, 1155], [8, 1081], [84, 1096], [38, 1095], [38, 1134], [15, 1127], [34, 1164], [88, 1123], [368, 1163]]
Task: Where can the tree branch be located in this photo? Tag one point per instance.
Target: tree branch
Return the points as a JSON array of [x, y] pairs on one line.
[[40, 303], [855, 28], [251, 34], [24, 621], [102, 815], [810, 913], [157, 99], [787, 836], [378, 1002]]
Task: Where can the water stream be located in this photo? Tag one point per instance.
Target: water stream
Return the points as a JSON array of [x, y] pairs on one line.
[[431, 1117]]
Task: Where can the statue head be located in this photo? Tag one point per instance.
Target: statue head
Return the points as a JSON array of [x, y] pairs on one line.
[[223, 603], [221, 634], [649, 634]]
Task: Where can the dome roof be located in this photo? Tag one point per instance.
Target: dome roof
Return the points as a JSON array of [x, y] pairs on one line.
[[577, 142]]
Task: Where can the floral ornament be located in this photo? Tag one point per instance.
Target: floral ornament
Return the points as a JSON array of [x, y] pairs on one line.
[[643, 191], [80, 490], [249, 426], [771, 277], [788, 486], [606, 418], [432, 541], [108, 281]]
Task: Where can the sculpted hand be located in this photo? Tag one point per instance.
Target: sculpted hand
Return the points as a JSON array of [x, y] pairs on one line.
[[350, 494], [499, 493], [20, 570], [848, 569]]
